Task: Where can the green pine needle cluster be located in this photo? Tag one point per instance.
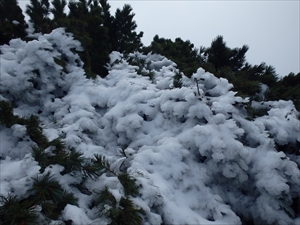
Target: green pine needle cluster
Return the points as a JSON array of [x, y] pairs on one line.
[[45, 193], [123, 212], [13, 211], [7, 117]]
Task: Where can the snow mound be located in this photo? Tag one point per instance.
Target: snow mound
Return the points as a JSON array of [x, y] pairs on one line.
[[194, 154]]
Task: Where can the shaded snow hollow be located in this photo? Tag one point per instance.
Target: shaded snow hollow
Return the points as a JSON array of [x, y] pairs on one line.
[[196, 158]]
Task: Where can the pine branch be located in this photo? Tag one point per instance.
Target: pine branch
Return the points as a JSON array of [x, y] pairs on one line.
[[13, 211], [35, 132], [7, 117], [121, 213], [91, 170], [129, 184], [46, 188], [122, 152], [41, 157], [72, 161], [102, 164], [105, 197], [59, 145], [127, 213]]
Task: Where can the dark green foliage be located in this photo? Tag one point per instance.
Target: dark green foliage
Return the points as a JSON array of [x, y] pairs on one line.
[[67, 198], [41, 157], [91, 170], [72, 161], [125, 37], [244, 87], [100, 47], [254, 112], [39, 11], [12, 21], [86, 23], [96, 167], [177, 83], [59, 16], [247, 80], [77, 24], [143, 67], [290, 148], [7, 117], [120, 213], [47, 192], [90, 21], [58, 144], [102, 164], [286, 88], [107, 17], [128, 184], [46, 188], [123, 212], [35, 132], [181, 52], [62, 63], [14, 212], [104, 197], [269, 76], [231, 64], [219, 55], [48, 209], [126, 213]]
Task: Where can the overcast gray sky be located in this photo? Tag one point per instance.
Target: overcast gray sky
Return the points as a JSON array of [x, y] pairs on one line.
[[269, 28]]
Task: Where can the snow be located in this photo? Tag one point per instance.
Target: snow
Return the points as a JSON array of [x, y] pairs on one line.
[[193, 156], [76, 214]]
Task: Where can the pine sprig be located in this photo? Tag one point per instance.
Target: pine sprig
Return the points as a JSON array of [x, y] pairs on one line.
[[42, 157], [58, 144], [71, 161], [102, 164], [105, 197], [7, 117], [129, 185], [123, 212], [47, 192], [13, 211], [91, 170], [126, 213], [66, 198], [35, 132], [46, 188], [122, 152]]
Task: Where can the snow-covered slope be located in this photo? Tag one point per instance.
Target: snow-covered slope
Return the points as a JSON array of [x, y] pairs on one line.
[[195, 155]]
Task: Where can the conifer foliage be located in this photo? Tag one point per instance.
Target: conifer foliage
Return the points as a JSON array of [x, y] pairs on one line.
[[39, 11], [181, 52], [219, 55], [92, 24], [12, 21], [126, 39]]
